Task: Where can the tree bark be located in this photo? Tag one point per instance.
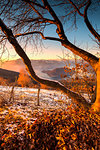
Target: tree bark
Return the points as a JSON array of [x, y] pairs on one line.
[[91, 59], [96, 105]]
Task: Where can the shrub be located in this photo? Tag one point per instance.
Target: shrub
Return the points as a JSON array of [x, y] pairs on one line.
[[24, 79]]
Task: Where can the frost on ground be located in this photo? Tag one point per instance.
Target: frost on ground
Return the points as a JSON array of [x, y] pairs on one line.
[[24, 104], [26, 98]]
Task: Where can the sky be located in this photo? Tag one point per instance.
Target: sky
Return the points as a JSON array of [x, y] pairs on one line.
[[53, 49]]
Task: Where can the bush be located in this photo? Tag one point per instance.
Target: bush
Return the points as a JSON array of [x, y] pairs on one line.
[[59, 130], [24, 80]]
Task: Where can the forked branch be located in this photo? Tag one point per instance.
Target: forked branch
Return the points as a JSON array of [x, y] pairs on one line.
[[76, 8], [93, 60], [86, 20], [38, 32]]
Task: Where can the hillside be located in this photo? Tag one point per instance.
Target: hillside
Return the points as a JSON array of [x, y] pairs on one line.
[[10, 75]]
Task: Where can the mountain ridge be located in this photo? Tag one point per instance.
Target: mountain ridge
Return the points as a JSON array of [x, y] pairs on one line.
[[9, 75]]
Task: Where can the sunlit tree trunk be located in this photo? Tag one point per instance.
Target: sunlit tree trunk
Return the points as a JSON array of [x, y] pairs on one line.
[[96, 105]]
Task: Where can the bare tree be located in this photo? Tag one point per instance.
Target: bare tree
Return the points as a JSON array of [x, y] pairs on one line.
[[26, 20]]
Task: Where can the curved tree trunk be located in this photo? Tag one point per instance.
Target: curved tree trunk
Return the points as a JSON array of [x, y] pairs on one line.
[[78, 99], [90, 58], [55, 84]]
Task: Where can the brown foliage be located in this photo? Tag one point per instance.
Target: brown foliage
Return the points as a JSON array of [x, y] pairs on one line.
[[24, 79], [73, 129]]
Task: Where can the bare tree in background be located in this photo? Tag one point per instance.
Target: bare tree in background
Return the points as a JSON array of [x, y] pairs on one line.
[[26, 21]]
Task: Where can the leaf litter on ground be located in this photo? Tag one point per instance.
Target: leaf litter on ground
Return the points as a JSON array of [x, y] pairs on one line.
[[52, 125]]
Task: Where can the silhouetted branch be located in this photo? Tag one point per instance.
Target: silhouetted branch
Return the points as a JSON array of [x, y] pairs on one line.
[[60, 31], [76, 8], [90, 27], [37, 32], [34, 3], [86, 20]]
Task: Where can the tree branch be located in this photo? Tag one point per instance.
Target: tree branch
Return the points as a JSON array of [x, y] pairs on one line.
[[30, 4], [74, 96], [4, 8], [86, 20], [76, 8], [38, 13], [90, 27], [93, 60], [34, 3], [37, 32], [59, 30]]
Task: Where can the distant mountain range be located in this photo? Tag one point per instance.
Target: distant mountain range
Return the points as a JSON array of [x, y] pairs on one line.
[[38, 65], [50, 69], [59, 73]]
